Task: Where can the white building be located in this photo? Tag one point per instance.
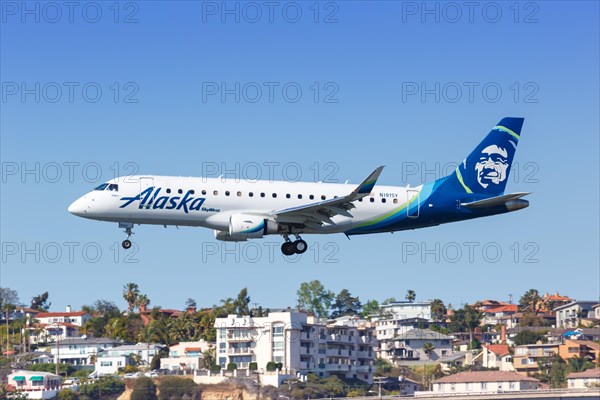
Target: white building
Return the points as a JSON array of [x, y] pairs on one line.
[[53, 326], [38, 385], [409, 346], [569, 315], [497, 356], [186, 356], [396, 319], [301, 343], [110, 360], [585, 379], [482, 382], [80, 351]]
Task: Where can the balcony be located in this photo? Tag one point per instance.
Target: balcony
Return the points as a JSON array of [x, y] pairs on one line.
[[240, 351], [237, 338]]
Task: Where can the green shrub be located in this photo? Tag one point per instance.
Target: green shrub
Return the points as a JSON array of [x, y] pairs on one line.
[[144, 389], [172, 387], [253, 366], [231, 366], [271, 366], [215, 369]]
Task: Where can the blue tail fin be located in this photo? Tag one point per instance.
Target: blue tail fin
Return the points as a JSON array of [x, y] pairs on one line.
[[485, 171]]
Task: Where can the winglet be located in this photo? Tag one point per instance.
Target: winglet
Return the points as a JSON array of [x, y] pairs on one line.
[[367, 185]]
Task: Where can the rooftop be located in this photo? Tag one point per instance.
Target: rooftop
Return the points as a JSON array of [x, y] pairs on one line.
[[590, 373], [485, 376], [61, 314], [423, 334], [498, 349]]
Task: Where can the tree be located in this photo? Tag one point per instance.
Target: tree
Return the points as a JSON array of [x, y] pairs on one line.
[[371, 307], [345, 304], [466, 318], [241, 302], [388, 301], [8, 297], [144, 389], [411, 295], [313, 297], [438, 310], [527, 336], [428, 347], [190, 303], [579, 364], [142, 302], [558, 374], [131, 291], [530, 301], [210, 357], [40, 302]]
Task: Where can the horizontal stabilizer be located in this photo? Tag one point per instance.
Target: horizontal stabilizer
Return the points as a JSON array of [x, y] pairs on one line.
[[495, 201]]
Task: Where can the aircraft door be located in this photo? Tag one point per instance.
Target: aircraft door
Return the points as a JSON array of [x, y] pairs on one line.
[[413, 203], [145, 183]]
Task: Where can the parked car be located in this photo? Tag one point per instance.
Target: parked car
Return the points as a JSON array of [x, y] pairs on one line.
[[132, 375], [72, 382], [151, 374]]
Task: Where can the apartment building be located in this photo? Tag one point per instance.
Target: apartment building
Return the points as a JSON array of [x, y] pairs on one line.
[[81, 351], [301, 343], [410, 346], [571, 314], [398, 318], [526, 356], [186, 356]]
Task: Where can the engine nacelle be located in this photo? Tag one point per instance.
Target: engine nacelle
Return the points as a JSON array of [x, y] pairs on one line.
[[245, 226], [226, 237]]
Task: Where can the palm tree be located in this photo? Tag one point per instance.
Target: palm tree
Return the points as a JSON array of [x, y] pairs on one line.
[[428, 347], [410, 295], [142, 302], [131, 291]]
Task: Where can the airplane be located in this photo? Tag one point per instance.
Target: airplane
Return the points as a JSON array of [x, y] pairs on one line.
[[240, 210]]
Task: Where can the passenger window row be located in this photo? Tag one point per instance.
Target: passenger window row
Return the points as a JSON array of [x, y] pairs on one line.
[[274, 195]]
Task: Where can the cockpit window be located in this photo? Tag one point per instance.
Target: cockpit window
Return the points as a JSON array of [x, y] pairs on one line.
[[113, 187], [102, 187]]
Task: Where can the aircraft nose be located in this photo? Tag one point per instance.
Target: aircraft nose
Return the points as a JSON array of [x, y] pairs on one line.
[[78, 207]]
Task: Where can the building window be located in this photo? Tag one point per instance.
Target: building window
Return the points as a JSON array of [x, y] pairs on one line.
[[277, 346], [277, 330]]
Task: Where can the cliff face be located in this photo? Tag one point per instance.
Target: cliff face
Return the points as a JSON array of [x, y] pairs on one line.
[[221, 392], [213, 392]]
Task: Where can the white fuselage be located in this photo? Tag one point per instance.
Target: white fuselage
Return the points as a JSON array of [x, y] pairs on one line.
[[223, 198]]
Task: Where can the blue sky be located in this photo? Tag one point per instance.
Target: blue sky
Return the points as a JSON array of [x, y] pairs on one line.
[[96, 90]]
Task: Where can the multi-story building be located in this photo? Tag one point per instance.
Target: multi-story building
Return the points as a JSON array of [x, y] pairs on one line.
[[301, 343], [410, 346], [398, 318], [580, 348], [81, 351], [186, 356], [570, 315], [526, 356], [53, 326], [497, 356]]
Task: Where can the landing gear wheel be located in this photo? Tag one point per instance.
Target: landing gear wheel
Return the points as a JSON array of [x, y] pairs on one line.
[[287, 248], [126, 244], [300, 246]]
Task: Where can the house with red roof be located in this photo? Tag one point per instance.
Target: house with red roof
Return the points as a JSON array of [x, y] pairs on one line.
[[497, 356], [494, 315], [53, 326]]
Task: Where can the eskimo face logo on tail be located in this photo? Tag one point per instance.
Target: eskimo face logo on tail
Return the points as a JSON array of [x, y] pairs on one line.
[[492, 166], [150, 199]]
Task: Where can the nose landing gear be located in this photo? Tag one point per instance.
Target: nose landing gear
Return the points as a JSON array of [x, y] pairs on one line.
[[126, 244], [289, 248]]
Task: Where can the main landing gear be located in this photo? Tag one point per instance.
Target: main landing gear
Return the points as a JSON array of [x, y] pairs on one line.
[[128, 227], [289, 248]]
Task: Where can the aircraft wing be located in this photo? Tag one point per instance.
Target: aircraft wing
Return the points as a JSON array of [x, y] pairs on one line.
[[316, 214]]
